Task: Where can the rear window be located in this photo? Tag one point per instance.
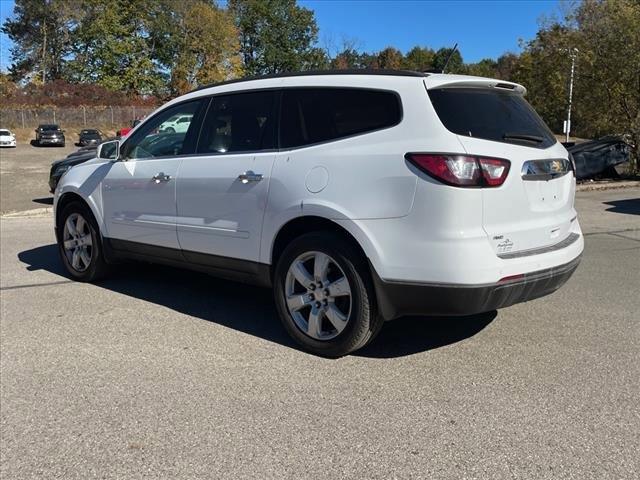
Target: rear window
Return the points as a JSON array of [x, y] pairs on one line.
[[491, 115], [314, 115]]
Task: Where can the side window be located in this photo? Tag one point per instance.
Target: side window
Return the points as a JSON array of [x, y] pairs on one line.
[[314, 115], [165, 134], [240, 122]]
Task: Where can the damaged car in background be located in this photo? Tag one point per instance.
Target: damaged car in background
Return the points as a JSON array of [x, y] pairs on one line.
[[598, 158]]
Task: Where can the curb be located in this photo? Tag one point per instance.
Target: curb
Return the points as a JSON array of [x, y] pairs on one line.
[[596, 186], [34, 213]]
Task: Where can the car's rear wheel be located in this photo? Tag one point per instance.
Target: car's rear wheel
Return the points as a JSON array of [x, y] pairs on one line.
[[324, 295], [79, 243]]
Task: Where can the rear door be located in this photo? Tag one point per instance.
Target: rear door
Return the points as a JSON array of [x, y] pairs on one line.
[[534, 206], [222, 191]]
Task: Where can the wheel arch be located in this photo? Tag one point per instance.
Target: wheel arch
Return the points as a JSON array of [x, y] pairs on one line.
[[307, 224], [72, 196]]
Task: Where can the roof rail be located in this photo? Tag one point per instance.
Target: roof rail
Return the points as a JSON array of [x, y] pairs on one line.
[[354, 71]]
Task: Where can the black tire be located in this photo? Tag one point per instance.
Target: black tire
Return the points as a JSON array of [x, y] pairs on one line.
[[363, 321], [98, 267]]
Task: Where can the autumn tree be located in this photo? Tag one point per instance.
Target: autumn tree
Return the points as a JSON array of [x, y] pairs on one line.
[[196, 41], [608, 43], [390, 58]]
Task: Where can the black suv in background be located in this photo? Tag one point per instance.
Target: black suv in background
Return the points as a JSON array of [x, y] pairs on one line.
[[49, 134], [89, 136], [60, 167]]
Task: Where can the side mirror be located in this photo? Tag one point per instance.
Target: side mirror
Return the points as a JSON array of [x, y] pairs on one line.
[[109, 151]]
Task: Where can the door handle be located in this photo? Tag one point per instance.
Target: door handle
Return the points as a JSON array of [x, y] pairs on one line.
[[249, 176], [161, 177]]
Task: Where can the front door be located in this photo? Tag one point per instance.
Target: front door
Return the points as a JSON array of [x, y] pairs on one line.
[[139, 192], [222, 191]]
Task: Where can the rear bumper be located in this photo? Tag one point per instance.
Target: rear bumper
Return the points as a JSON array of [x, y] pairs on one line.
[[396, 299]]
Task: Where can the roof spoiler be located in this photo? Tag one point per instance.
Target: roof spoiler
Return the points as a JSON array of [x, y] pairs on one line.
[[462, 81]]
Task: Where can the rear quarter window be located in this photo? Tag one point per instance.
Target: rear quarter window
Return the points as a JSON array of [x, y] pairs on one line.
[[315, 115], [490, 114]]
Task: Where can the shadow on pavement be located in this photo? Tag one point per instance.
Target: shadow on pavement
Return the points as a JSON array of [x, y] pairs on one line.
[[409, 335], [630, 206], [251, 309], [44, 200]]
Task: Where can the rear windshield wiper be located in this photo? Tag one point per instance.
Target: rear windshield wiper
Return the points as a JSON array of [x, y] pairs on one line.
[[523, 136]]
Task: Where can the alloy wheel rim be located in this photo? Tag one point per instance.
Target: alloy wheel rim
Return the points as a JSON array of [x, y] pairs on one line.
[[318, 295], [77, 242]]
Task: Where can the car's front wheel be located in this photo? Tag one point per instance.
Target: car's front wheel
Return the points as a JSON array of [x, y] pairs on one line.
[[324, 295], [79, 243]]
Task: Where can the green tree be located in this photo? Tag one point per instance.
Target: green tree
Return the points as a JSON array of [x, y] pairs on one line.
[[608, 92], [111, 46], [455, 65], [543, 68], [606, 100], [486, 67], [41, 32], [419, 59], [276, 36]]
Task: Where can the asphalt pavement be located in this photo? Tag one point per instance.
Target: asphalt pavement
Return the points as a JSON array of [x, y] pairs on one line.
[[24, 175], [160, 373]]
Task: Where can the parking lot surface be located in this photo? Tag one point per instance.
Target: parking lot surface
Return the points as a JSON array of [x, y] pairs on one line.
[[160, 373], [24, 173]]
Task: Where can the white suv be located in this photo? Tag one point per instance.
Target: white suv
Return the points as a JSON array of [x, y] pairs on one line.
[[179, 124], [358, 196]]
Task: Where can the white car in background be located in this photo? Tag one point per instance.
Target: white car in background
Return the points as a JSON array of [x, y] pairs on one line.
[[358, 196], [7, 138], [178, 124]]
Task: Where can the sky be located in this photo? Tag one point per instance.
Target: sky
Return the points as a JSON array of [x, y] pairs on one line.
[[482, 29]]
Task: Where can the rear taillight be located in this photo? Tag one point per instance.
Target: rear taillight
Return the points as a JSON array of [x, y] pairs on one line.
[[462, 170]]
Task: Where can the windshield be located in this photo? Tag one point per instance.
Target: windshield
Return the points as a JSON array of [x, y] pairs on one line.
[[49, 127], [5, 132], [89, 132], [490, 114]]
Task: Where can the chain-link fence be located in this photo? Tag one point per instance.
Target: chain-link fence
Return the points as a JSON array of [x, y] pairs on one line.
[[104, 117]]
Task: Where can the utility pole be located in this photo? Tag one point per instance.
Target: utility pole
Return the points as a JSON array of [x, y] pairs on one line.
[[573, 53]]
